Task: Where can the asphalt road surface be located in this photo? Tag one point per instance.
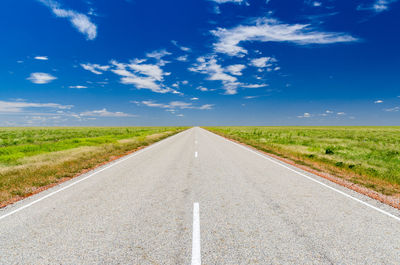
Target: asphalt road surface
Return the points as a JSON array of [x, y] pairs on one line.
[[196, 198]]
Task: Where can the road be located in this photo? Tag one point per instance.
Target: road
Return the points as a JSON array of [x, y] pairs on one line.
[[251, 209]]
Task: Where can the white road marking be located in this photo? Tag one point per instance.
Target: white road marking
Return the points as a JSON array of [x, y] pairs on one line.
[[312, 179], [196, 252], [195, 142], [195, 154], [85, 178]]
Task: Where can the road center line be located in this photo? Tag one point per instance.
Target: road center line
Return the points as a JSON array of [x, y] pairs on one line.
[[196, 252], [310, 178], [195, 154]]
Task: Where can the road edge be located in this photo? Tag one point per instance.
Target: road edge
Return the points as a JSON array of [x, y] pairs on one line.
[[339, 181], [8, 203]]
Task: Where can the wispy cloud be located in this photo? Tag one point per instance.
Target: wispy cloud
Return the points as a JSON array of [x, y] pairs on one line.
[[377, 6], [95, 68], [41, 78], [80, 21], [173, 105], [378, 101], [254, 85], [272, 30], [42, 58], [183, 48], [394, 109], [228, 1], [104, 113], [78, 87], [22, 106], [183, 58]]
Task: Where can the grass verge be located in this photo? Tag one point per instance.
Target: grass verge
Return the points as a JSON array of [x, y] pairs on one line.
[[366, 156], [33, 159]]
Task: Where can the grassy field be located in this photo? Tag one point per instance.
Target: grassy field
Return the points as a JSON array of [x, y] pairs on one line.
[[369, 156], [31, 158]]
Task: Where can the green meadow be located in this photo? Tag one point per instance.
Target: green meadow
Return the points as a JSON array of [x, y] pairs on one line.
[[369, 156], [34, 157]]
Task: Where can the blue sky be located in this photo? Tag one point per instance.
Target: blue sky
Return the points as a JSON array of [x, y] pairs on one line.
[[203, 62]]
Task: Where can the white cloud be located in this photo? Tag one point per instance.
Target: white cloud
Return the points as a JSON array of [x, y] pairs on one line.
[[378, 101], [328, 111], [272, 30], [263, 62], [254, 85], [173, 105], [394, 109], [313, 3], [183, 48], [305, 115], [43, 58], [95, 68], [21, 106], [80, 21], [183, 58], [341, 113], [228, 1], [146, 76], [104, 113], [180, 115], [378, 6], [137, 73], [41, 78], [158, 54], [78, 87], [210, 66], [203, 89], [194, 98], [235, 69]]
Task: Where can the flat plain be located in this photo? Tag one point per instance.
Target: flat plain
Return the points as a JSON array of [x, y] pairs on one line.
[[368, 156], [31, 158]]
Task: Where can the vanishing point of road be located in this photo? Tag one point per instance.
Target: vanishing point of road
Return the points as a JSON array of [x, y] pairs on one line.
[[197, 198]]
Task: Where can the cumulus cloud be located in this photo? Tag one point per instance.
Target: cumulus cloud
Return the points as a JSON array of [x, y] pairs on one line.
[[146, 76], [80, 21], [95, 68], [41, 78], [378, 101], [210, 66], [272, 30], [42, 58], [137, 72], [263, 62], [104, 113], [235, 69], [21, 106]]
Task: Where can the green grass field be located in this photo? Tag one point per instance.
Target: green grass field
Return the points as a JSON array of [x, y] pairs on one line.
[[31, 158], [369, 156]]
